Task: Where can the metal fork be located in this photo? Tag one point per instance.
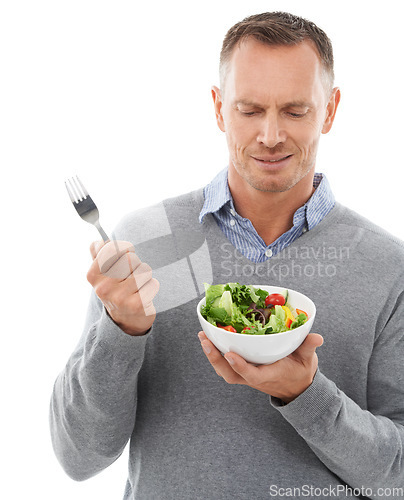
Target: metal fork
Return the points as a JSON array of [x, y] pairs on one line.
[[84, 205]]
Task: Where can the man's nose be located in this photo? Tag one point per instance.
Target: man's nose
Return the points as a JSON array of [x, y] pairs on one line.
[[271, 133]]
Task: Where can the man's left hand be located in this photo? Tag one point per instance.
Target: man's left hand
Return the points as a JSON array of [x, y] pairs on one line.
[[285, 379]]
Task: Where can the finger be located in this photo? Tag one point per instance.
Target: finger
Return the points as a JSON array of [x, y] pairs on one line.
[[147, 294], [111, 252], [150, 310], [141, 275], [124, 267], [231, 357], [108, 254], [125, 288], [95, 247], [306, 350], [125, 297], [202, 335], [218, 362], [248, 371]]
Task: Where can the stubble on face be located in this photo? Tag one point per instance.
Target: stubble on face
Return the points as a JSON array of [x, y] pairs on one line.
[[271, 183]]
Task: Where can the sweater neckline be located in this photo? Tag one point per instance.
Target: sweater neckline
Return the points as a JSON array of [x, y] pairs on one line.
[[211, 229]]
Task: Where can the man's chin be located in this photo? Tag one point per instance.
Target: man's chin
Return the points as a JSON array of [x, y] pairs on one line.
[[274, 181], [273, 185], [271, 188]]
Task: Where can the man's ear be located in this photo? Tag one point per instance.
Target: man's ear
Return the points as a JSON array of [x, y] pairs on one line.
[[331, 110], [218, 105]]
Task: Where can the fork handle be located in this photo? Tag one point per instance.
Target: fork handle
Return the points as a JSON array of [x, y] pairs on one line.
[[103, 234]]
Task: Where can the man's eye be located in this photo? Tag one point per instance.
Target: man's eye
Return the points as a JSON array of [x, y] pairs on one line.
[[248, 113], [296, 115]]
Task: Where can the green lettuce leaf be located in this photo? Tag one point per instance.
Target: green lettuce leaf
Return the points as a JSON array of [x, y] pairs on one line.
[[277, 320], [299, 321], [243, 295], [213, 292]]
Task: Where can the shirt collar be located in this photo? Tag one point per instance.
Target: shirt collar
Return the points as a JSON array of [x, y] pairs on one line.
[[320, 202], [217, 194]]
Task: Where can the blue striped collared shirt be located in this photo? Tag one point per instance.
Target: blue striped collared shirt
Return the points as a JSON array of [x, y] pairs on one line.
[[241, 232]]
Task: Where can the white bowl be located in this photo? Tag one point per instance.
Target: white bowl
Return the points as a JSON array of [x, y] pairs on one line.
[[262, 349]]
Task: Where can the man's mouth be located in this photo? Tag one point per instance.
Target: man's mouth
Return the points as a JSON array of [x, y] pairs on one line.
[[272, 163], [272, 159]]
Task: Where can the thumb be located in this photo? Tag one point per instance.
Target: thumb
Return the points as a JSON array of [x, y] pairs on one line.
[[309, 346]]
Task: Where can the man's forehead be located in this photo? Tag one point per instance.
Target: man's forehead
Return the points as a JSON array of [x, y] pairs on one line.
[[258, 71]]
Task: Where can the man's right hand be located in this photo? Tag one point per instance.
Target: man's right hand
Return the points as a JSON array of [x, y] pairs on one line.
[[124, 284]]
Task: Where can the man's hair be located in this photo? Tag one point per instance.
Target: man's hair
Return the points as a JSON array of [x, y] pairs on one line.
[[278, 28]]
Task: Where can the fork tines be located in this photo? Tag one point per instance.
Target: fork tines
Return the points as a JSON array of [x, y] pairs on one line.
[[76, 190]]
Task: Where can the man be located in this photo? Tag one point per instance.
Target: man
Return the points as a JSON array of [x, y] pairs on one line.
[[331, 425]]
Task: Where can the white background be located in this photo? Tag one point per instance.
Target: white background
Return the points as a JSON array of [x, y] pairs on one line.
[[119, 93]]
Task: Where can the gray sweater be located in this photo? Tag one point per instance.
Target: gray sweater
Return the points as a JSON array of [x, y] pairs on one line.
[[192, 435]]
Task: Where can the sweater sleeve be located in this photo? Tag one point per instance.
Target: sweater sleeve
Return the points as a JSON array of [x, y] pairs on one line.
[[93, 404], [364, 447]]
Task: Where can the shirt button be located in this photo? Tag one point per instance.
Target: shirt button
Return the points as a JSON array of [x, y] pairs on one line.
[[268, 252], [233, 213], [232, 222]]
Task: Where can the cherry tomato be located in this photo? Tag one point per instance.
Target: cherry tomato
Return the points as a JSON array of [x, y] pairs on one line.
[[229, 328], [276, 299], [246, 328]]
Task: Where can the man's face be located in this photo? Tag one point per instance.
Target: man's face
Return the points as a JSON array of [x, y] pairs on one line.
[[273, 109]]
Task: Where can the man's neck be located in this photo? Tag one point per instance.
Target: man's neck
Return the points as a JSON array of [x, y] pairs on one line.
[[271, 214]]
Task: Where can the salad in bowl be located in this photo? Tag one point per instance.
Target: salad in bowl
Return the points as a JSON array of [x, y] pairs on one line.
[[260, 323], [249, 310]]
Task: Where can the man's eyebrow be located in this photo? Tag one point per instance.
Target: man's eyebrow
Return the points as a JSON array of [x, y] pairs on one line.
[[300, 103], [247, 102], [297, 104]]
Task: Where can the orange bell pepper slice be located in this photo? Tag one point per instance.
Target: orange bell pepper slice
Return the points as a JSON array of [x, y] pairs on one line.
[[300, 311]]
